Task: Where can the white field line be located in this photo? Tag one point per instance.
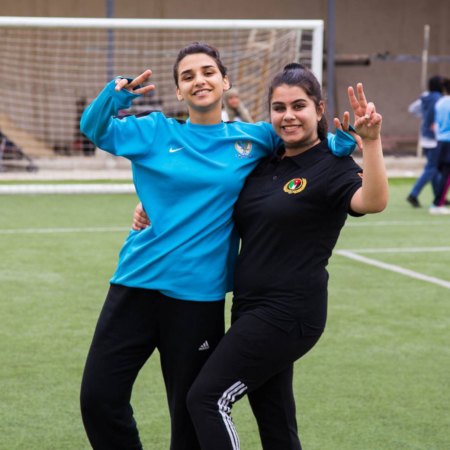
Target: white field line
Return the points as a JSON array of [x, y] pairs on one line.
[[64, 230], [398, 250], [82, 188], [393, 268], [395, 223]]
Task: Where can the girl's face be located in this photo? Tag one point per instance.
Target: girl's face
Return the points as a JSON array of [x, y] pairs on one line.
[[294, 116], [200, 82]]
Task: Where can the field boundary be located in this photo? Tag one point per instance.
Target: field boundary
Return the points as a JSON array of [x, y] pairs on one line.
[[82, 188], [64, 230]]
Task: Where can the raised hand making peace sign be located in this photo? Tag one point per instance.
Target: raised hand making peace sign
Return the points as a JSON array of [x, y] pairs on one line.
[[367, 120], [123, 83]]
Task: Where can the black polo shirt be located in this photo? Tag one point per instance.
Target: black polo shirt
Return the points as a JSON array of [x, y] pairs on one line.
[[289, 216]]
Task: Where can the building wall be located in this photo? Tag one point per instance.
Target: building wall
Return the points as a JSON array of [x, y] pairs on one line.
[[393, 26]]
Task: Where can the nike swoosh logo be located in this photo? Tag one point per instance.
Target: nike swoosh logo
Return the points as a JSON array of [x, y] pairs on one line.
[[175, 150]]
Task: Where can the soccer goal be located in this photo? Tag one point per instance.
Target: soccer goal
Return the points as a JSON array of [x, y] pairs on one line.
[[52, 68]]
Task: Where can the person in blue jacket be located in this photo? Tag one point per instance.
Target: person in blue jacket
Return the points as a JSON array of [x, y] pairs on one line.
[[424, 108], [169, 287]]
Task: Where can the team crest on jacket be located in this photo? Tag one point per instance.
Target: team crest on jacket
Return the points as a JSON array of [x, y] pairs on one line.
[[244, 149], [295, 186]]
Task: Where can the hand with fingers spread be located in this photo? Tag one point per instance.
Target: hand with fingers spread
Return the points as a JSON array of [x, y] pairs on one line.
[[123, 83], [367, 120]]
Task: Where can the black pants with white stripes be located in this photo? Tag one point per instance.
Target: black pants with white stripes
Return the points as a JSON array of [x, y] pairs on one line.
[[256, 359], [133, 323]]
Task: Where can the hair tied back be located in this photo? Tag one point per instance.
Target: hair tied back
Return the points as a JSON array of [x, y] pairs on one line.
[[294, 66]]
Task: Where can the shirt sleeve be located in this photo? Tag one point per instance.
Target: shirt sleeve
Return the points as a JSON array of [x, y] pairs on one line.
[[344, 179], [128, 137], [341, 143], [416, 108]]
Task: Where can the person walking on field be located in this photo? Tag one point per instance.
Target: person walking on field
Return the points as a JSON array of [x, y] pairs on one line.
[[424, 108], [169, 287], [442, 119]]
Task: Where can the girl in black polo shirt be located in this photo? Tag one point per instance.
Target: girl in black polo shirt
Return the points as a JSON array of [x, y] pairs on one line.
[[289, 216]]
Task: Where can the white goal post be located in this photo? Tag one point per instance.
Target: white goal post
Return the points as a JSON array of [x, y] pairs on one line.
[[51, 68]]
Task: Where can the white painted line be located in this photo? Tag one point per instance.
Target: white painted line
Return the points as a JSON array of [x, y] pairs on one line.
[[398, 223], [82, 188], [399, 250], [393, 268], [63, 230]]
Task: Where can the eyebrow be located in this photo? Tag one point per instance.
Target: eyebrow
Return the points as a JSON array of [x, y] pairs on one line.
[[190, 70], [300, 100]]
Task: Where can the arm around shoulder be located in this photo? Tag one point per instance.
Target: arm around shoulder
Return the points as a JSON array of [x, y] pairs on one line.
[[341, 143]]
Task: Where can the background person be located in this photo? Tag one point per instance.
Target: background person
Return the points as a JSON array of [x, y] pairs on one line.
[[424, 108], [234, 110]]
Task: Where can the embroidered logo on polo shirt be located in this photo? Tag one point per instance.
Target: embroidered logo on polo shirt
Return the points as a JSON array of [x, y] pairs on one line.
[[244, 149], [295, 186]]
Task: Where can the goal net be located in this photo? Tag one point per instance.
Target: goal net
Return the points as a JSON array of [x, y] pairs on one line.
[[52, 68]]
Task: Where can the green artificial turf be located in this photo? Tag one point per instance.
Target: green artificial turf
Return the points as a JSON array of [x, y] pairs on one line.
[[377, 380]]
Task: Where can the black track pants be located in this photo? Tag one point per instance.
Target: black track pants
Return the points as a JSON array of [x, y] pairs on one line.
[[254, 358], [132, 324]]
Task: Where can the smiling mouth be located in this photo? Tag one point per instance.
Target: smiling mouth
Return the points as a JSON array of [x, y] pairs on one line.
[[291, 128], [202, 92]]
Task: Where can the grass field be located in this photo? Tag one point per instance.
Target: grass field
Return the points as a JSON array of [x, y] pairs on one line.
[[379, 379]]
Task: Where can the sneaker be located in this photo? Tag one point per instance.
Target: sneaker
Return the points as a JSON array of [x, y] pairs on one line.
[[414, 201], [438, 210]]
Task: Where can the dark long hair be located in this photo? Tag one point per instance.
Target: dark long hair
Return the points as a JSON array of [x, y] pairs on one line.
[[199, 47], [297, 75]]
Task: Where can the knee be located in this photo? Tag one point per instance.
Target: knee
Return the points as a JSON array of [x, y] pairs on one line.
[[94, 398], [196, 399], [88, 400]]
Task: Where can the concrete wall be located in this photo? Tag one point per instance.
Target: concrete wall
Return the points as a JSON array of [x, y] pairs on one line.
[[393, 26]]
